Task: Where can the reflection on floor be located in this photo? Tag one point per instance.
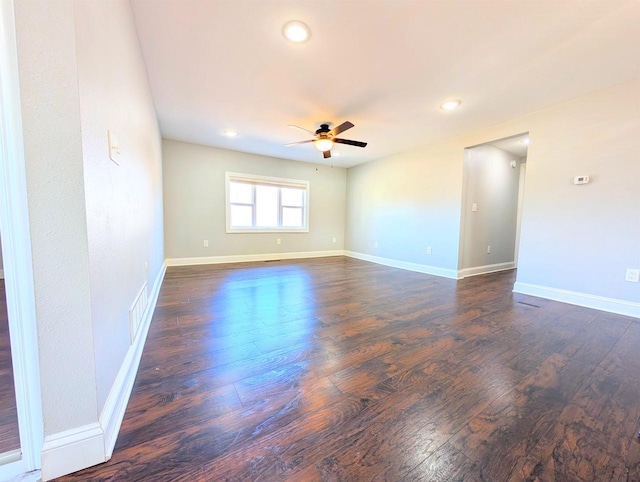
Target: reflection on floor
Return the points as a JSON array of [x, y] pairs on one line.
[[338, 369], [9, 439]]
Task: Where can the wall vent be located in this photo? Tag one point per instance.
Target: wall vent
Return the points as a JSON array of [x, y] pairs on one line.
[[136, 312]]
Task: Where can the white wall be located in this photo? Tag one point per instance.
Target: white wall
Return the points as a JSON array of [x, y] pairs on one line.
[[492, 184], [93, 224], [123, 202], [574, 238], [582, 238], [194, 194], [46, 44], [406, 203]]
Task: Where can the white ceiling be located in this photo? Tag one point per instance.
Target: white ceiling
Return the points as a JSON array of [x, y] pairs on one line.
[[384, 65]]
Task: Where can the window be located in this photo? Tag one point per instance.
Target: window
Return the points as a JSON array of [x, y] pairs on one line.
[[266, 204]]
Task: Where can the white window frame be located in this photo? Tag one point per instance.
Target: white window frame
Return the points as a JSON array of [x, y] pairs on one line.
[[267, 181]]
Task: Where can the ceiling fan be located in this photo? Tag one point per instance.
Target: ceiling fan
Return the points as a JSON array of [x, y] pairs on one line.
[[325, 138]]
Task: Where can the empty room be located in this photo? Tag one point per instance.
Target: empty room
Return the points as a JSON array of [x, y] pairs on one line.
[[348, 240]]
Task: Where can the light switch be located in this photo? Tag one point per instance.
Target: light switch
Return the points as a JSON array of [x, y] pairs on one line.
[[474, 207], [114, 148]]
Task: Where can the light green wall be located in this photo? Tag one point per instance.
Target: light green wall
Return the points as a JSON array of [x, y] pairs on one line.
[[576, 238], [194, 203]]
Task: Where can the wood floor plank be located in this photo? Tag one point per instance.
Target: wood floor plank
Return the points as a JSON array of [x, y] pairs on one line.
[[594, 437], [336, 369], [510, 427], [404, 435], [445, 464]]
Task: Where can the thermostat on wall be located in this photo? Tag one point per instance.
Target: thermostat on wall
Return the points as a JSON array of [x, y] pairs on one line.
[[581, 180]]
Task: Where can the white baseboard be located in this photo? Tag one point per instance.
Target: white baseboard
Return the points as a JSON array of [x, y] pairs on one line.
[[244, 258], [72, 450], [394, 263], [82, 447], [488, 268], [602, 303], [1, 274], [116, 404]]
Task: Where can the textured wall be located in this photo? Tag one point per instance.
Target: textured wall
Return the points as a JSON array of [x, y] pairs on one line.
[[94, 224], [194, 195], [55, 188], [123, 202]]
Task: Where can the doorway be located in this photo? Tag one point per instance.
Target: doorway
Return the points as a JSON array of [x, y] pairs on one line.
[[493, 193]]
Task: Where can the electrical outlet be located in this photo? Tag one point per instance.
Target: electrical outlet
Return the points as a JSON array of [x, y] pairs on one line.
[[375, 244], [278, 241], [633, 275], [488, 249], [334, 239], [205, 243], [428, 249]]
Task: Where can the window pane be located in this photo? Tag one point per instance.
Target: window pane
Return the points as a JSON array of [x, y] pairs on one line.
[[292, 217], [240, 193], [266, 206], [292, 197], [241, 216]]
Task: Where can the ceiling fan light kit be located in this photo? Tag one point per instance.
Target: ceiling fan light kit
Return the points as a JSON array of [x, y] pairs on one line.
[[325, 138], [323, 144]]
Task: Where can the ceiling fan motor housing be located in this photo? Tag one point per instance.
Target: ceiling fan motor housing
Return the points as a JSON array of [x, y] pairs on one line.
[[324, 129]]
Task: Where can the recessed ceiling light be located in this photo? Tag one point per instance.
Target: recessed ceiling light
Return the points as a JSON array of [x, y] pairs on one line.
[[526, 141], [296, 31], [451, 104], [230, 133]]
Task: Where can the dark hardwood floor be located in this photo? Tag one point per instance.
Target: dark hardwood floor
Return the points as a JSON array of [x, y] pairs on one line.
[[9, 435], [341, 370]]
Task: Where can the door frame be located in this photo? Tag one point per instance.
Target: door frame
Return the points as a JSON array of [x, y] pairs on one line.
[[16, 251]]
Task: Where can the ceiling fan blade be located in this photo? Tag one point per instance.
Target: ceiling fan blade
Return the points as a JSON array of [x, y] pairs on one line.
[[302, 129], [351, 143], [326, 154], [341, 128], [299, 142]]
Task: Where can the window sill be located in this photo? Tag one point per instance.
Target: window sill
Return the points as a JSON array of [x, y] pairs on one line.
[[263, 231]]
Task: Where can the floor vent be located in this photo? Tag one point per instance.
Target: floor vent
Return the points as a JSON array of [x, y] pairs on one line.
[[136, 312]]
